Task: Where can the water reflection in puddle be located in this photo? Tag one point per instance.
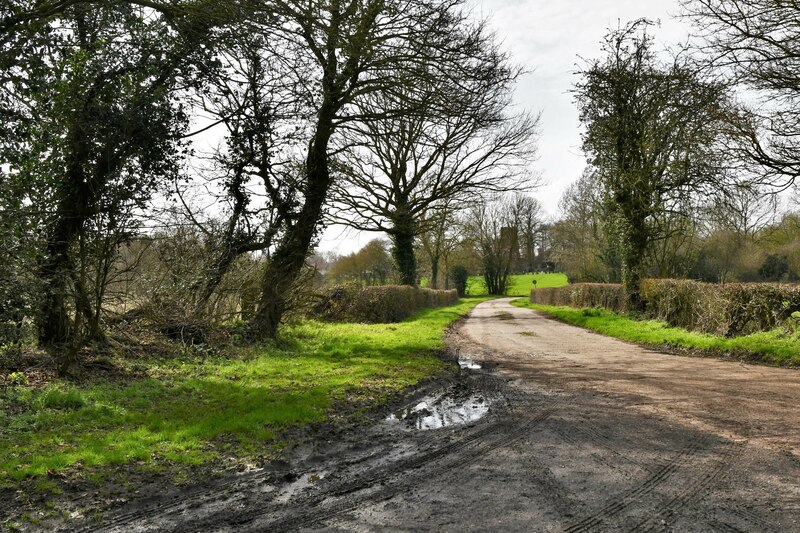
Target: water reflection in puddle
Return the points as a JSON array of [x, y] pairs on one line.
[[469, 364], [437, 412]]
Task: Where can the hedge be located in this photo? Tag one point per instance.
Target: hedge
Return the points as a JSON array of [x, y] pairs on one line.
[[375, 305], [605, 295], [732, 309]]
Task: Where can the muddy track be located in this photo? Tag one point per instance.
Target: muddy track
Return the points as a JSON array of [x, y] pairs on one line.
[[495, 437], [575, 432], [637, 494], [579, 433], [383, 482], [174, 502]]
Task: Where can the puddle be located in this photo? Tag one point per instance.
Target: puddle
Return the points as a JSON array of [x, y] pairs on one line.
[[435, 412], [469, 364]]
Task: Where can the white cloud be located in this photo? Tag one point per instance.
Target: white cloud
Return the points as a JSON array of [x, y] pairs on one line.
[[549, 38]]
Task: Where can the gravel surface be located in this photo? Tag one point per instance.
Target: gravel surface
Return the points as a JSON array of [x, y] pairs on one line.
[[547, 428]]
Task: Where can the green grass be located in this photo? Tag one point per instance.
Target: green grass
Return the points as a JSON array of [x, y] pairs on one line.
[[777, 347], [189, 411], [519, 284]]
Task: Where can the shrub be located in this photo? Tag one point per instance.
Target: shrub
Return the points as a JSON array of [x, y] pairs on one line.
[[680, 303], [550, 296], [610, 296], [605, 295], [775, 268], [173, 318], [388, 303], [733, 309], [460, 276], [753, 307]]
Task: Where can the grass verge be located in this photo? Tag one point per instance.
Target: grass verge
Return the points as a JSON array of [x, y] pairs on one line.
[[190, 410], [519, 284], [777, 347]]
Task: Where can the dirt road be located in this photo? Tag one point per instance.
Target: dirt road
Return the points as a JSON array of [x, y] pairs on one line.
[[549, 428]]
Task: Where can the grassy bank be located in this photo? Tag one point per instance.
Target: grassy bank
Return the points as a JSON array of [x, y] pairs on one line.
[[519, 285], [189, 410], [776, 347]]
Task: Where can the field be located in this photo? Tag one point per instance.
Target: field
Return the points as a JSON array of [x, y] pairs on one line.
[[777, 347], [189, 409], [519, 284]]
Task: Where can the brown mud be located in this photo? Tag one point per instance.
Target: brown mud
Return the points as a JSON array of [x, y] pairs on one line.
[[547, 428]]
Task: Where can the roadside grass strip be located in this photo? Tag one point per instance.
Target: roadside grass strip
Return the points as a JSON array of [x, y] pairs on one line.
[[778, 347], [190, 410]]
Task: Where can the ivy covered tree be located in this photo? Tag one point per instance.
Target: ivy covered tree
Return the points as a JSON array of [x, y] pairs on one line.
[[652, 134], [91, 95]]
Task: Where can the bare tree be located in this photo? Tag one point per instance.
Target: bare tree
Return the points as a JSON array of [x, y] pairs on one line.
[[531, 222], [458, 145], [581, 245], [493, 228], [443, 235], [757, 43], [733, 225], [342, 55]]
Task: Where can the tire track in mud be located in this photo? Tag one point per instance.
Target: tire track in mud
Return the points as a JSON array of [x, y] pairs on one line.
[[630, 497], [723, 527], [687, 495], [585, 432], [756, 520], [181, 501], [175, 502], [551, 489], [516, 419], [153, 517], [312, 509]]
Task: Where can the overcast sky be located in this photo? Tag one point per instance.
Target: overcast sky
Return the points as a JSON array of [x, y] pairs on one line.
[[547, 38]]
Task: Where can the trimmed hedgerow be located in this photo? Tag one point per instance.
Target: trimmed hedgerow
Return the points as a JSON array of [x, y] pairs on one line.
[[732, 309], [375, 305], [606, 295]]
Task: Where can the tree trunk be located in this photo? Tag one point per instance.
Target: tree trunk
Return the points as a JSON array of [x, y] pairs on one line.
[[635, 247], [434, 284], [403, 234], [54, 322], [286, 264], [55, 327]]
